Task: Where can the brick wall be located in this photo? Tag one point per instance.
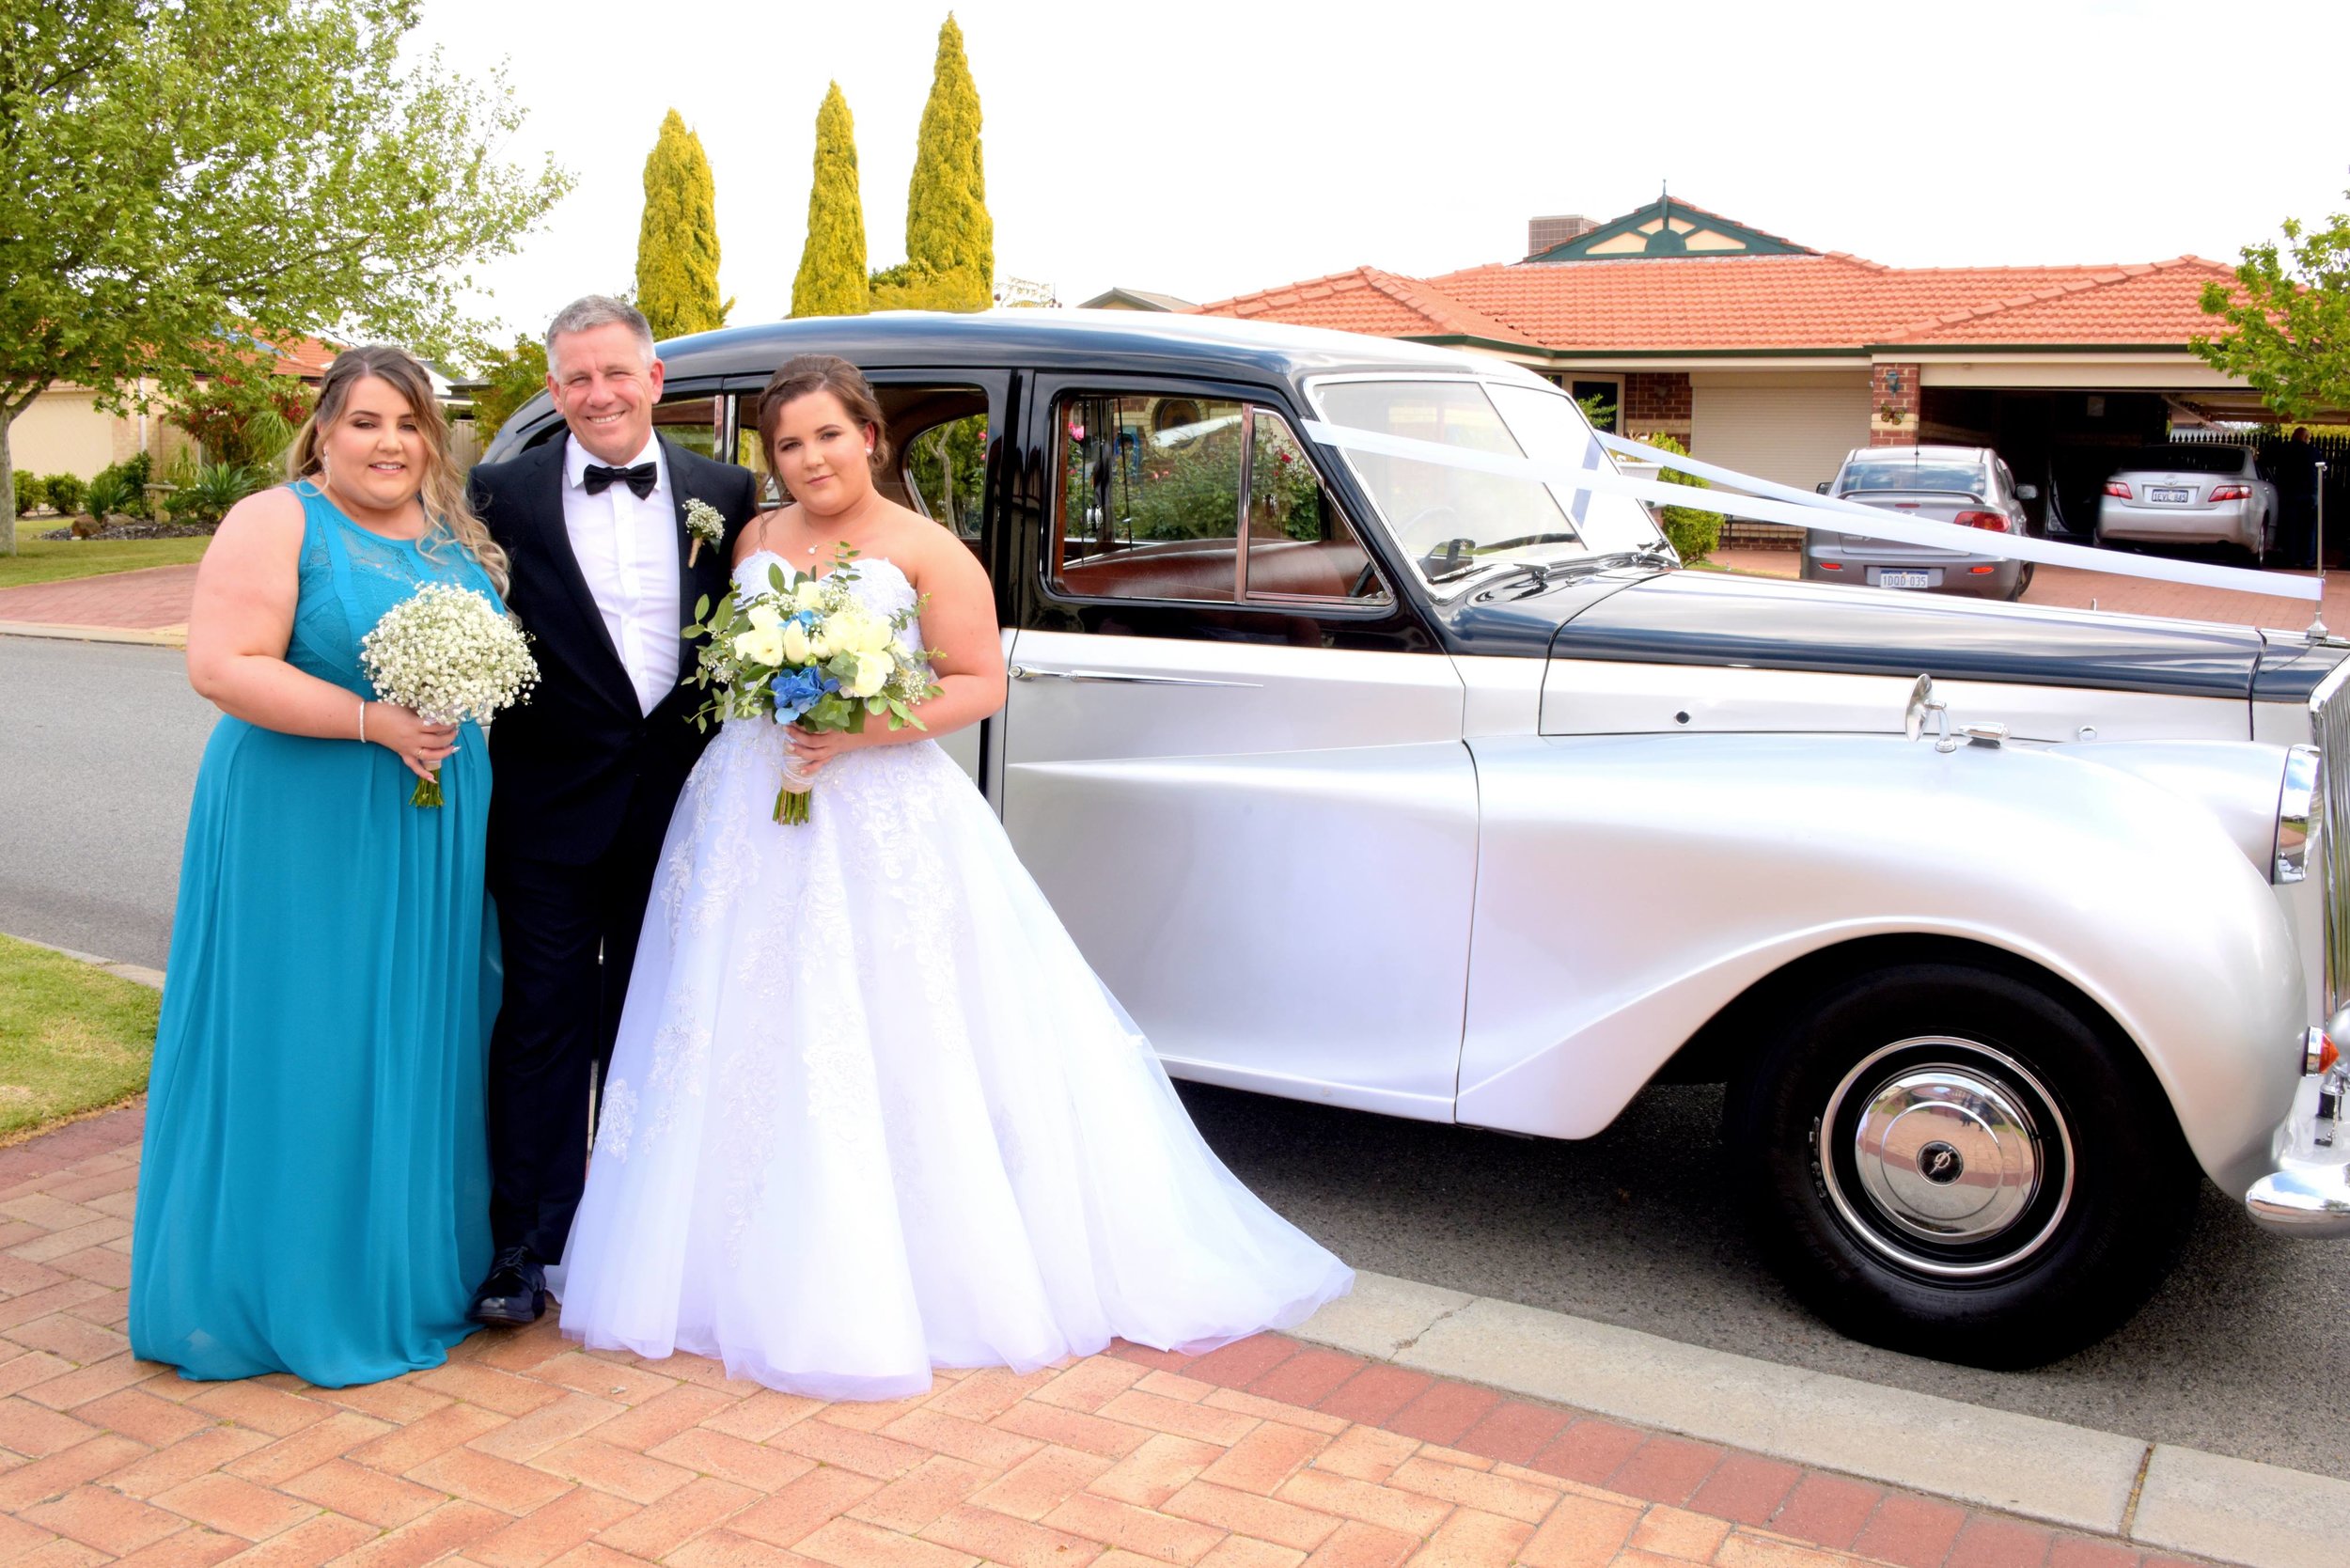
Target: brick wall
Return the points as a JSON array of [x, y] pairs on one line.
[[1893, 405], [1656, 402]]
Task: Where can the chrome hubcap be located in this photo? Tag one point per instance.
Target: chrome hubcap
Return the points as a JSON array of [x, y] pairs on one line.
[[1947, 1156]]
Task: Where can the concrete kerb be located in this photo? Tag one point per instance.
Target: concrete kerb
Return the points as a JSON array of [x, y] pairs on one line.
[[138, 973], [158, 637], [2156, 1496]]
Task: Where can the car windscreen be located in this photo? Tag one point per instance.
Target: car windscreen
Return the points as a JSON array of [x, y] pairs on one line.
[[1452, 520], [1876, 473], [2183, 459]]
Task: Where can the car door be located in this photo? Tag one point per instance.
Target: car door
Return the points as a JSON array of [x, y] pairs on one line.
[[1232, 755]]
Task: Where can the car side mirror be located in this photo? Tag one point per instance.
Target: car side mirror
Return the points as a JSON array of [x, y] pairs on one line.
[[2028, 492], [1823, 486]]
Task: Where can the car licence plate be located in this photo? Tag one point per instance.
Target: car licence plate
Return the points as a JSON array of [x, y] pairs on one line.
[[1905, 579], [2168, 493]]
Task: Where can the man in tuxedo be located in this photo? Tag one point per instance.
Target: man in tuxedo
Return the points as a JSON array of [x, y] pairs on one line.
[[593, 524]]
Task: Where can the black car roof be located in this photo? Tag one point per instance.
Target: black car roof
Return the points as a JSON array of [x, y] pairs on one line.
[[1057, 339]]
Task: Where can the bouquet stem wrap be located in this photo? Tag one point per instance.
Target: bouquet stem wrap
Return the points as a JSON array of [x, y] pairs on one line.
[[792, 799]]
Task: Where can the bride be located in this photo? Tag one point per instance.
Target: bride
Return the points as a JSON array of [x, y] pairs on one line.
[[869, 1111]]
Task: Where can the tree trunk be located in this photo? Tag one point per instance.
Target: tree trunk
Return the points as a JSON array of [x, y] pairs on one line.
[[8, 500]]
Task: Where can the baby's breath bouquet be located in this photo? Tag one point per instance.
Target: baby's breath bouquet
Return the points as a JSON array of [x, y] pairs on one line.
[[448, 654], [803, 650]]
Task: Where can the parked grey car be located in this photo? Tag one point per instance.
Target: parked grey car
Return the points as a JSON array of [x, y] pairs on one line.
[[2182, 494], [1965, 485]]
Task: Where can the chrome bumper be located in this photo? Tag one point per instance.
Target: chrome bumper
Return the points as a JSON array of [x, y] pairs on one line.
[[2309, 1192]]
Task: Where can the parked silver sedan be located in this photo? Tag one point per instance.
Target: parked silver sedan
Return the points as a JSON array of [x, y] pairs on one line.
[[1965, 485], [2180, 493]]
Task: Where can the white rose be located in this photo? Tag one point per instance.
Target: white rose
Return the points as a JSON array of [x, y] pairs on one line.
[[808, 594], [763, 646], [872, 673], [795, 647], [765, 617]]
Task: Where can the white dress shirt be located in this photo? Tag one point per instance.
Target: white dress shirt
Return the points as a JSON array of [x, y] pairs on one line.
[[628, 551]]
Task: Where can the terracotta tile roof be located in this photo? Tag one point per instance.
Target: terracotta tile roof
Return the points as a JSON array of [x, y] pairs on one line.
[[1367, 300], [2156, 303], [305, 357], [1832, 301]]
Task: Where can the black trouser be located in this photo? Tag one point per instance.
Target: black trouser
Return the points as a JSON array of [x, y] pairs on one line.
[[569, 937]]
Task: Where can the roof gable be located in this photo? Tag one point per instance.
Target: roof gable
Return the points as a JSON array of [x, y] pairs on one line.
[[1667, 227]]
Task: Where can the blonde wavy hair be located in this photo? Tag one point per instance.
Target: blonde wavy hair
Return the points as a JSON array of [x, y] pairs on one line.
[[442, 491]]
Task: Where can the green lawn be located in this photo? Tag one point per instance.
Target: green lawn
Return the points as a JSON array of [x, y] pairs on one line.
[[56, 561], [73, 1037]]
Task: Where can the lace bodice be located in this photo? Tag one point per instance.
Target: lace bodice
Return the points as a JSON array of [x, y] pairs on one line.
[[878, 584], [350, 576]]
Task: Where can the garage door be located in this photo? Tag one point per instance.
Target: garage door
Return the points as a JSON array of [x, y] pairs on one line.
[[1796, 434]]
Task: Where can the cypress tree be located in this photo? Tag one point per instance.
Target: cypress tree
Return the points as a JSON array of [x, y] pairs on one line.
[[831, 281], [948, 233], [676, 243]]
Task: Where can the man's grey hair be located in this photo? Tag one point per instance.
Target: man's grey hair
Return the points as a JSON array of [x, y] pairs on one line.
[[590, 311]]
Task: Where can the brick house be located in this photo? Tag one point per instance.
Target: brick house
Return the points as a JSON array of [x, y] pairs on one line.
[[1774, 358]]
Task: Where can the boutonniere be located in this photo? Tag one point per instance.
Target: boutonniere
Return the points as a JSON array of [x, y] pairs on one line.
[[702, 522]]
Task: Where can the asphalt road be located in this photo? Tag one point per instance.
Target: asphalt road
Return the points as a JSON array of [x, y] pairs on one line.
[[2237, 1353]]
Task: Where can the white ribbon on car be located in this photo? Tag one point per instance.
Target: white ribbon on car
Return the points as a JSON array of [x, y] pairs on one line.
[[1768, 501]]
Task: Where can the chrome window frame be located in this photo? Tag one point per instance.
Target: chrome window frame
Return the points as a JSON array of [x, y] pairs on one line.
[[1351, 609]]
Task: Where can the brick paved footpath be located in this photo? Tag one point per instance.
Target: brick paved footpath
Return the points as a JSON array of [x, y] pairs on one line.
[[525, 1450], [152, 599]]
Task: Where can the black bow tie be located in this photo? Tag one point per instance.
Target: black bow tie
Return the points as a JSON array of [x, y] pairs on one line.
[[640, 478]]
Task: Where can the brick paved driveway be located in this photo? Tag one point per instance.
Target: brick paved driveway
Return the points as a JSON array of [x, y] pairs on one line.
[[524, 1451]]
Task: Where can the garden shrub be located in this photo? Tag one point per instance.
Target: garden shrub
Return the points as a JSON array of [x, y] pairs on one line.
[[1693, 534]]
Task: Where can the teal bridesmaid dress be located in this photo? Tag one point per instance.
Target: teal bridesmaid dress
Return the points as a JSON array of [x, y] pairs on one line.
[[314, 1192]]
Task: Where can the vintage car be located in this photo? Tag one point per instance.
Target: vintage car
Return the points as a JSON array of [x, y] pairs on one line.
[[1367, 771]]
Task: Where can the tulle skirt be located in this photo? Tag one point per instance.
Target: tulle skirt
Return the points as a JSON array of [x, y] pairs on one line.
[[871, 1111]]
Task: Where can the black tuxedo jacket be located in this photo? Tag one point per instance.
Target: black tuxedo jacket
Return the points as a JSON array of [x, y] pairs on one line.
[[569, 761]]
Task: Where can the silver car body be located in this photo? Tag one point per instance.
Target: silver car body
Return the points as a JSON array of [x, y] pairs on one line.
[[1932, 484], [2169, 498]]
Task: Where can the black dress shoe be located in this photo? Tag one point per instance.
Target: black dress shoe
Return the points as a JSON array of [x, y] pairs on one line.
[[514, 1294]]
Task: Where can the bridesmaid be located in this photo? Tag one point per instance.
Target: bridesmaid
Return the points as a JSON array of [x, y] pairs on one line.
[[314, 1193]]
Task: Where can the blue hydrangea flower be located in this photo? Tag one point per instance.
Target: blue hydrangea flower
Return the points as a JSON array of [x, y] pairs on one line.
[[798, 690]]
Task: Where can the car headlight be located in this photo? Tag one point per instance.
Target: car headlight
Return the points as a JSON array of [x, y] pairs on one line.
[[2300, 806]]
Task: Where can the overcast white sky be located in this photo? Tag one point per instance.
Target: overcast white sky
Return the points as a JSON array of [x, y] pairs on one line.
[[1209, 148]]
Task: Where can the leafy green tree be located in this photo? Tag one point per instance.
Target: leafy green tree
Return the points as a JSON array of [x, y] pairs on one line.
[[514, 378], [676, 243], [947, 228], [831, 280], [913, 286], [174, 171], [2289, 319]]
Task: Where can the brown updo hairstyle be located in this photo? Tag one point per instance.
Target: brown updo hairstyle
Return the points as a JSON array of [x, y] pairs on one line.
[[821, 372], [442, 491]]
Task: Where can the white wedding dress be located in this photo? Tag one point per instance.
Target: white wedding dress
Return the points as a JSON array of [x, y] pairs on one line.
[[871, 1112]]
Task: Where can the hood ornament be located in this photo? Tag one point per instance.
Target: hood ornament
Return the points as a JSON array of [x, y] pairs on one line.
[[1922, 701]]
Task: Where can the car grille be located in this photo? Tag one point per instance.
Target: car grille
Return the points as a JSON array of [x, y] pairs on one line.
[[2330, 727]]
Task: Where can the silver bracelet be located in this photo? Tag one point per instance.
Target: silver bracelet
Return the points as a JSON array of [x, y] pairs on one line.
[[363, 721]]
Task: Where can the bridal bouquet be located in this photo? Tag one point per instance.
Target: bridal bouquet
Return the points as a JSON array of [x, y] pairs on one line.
[[803, 650], [449, 654]]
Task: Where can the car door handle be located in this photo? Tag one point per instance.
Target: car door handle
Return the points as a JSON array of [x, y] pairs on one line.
[[1030, 672]]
